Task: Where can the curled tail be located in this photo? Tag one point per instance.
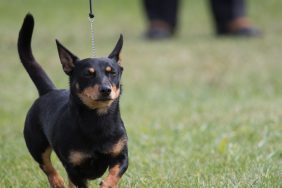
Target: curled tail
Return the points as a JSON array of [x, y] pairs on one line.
[[35, 71]]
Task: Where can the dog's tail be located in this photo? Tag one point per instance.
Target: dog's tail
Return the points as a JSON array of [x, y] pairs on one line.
[[35, 71]]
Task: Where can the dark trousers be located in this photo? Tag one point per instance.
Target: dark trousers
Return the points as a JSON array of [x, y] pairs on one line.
[[164, 10], [223, 11]]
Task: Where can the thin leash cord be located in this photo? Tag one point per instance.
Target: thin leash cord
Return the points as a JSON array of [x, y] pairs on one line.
[[91, 20]]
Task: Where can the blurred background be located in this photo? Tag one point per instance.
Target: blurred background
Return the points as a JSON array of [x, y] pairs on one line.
[[200, 110]]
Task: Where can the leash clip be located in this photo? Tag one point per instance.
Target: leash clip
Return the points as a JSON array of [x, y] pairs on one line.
[[91, 15]]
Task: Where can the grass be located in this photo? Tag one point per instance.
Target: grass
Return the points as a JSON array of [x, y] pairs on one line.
[[200, 111]]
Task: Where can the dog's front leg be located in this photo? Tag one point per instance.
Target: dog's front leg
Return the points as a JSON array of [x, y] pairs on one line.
[[117, 168]]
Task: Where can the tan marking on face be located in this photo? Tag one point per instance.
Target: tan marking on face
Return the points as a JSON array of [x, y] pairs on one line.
[[114, 95], [91, 70], [89, 96], [108, 69], [77, 157], [118, 147], [115, 92], [91, 92], [54, 178], [112, 179]]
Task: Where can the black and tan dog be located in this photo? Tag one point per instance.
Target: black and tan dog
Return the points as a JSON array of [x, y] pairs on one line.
[[83, 124]]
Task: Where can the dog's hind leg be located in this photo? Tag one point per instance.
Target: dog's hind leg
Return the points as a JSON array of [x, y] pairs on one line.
[[44, 160], [40, 150], [55, 180]]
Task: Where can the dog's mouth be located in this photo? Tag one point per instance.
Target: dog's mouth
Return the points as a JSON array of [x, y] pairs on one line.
[[103, 99], [100, 99], [96, 103]]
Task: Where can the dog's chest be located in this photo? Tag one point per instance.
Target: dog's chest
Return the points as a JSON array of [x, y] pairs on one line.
[[78, 157], [88, 165]]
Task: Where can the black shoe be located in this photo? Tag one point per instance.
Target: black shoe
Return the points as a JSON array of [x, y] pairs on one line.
[[158, 34], [243, 32]]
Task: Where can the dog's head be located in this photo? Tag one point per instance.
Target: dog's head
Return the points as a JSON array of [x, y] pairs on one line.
[[94, 81]]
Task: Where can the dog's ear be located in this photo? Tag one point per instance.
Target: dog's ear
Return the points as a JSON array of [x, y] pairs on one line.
[[67, 58], [116, 52]]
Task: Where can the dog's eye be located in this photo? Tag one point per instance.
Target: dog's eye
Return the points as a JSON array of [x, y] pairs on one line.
[[113, 73]]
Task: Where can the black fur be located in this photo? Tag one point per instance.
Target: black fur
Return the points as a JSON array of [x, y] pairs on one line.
[[83, 124]]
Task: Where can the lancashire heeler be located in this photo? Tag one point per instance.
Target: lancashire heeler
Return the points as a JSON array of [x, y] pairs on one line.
[[81, 125]]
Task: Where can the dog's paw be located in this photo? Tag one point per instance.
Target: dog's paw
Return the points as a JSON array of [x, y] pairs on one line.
[[104, 184], [56, 181]]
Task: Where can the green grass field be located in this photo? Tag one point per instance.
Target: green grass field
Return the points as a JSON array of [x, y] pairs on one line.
[[200, 111]]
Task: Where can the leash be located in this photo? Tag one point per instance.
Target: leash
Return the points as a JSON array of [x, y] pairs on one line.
[[91, 20]]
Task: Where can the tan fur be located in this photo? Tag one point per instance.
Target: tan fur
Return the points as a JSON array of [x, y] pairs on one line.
[[77, 157], [118, 147], [89, 96], [108, 69], [115, 92], [91, 92], [91, 70], [112, 179], [55, 180]]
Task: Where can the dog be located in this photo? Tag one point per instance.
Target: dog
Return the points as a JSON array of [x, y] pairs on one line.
[[81, 125]]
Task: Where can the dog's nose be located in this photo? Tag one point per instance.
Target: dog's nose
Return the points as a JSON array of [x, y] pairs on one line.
[[105, 90]]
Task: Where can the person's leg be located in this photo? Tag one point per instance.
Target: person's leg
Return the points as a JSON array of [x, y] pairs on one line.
[[152, 9], [221, 11], [230, 18], [170, 13], [162, 18]]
